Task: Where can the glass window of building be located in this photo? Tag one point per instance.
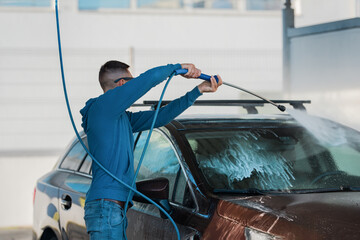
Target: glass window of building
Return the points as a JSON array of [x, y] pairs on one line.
[[263, 5], [241, 5], [169, 4], [215, 4], [25, 3], [98, 4]]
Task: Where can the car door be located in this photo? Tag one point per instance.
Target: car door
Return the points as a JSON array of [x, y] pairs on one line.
[[72, 192], [161, 160]]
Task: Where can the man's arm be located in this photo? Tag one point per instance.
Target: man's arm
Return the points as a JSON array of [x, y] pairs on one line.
[[142, 120], [117, 100]]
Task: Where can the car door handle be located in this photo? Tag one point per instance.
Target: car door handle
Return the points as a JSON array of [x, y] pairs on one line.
[[66, 201]]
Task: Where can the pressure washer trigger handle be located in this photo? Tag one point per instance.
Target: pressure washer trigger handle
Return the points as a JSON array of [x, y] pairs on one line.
[[202, 76], [181, 71]]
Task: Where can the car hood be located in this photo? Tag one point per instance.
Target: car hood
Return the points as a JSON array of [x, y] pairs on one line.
[[333, 215]]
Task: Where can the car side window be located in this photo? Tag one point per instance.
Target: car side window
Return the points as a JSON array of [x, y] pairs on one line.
[[160, 159], [182, 193], [74, 158], [86, 165]]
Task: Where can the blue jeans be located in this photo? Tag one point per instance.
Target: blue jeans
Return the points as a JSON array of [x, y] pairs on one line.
[[105, 220]]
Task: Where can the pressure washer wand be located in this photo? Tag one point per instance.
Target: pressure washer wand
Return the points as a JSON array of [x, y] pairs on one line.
[[207, 78], [280, 107]]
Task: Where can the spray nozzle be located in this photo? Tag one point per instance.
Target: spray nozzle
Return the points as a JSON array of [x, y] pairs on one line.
[[202, 76], [281, 108]]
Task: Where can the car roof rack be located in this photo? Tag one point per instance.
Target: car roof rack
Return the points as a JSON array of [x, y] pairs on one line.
[[249, 105]]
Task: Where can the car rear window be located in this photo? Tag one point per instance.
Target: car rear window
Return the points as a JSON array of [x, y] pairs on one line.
[[74, 157]]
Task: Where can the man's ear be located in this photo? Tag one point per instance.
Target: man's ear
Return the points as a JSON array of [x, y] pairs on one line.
[[121, 82]]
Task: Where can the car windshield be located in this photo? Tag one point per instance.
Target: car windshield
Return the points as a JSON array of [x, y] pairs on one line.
[[284, 159]]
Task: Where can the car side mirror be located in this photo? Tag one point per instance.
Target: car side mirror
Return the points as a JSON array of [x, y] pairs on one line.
[[156, 189]]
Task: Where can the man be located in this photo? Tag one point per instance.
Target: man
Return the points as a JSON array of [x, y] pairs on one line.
[[109, 128]]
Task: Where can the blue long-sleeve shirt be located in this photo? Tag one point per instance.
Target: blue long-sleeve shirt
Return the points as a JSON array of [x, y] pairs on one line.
[[109, 128]]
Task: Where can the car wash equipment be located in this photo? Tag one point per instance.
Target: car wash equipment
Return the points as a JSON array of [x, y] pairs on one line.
[[202, 76], [207, 78], [132, 188]]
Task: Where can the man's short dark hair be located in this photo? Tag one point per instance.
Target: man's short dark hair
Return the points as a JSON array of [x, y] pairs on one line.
[[110, 67]]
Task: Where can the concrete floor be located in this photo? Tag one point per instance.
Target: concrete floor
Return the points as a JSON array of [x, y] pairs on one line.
[[23, 233]]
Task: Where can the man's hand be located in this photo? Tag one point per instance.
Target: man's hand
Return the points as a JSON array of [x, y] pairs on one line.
[[193, 72], [211, 86]]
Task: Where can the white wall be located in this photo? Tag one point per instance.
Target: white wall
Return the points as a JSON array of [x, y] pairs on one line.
[[312, 12], [325, 69], [18, 175], [326, 60]]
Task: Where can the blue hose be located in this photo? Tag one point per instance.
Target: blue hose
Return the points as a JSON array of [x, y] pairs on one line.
[[87, 150], [148, 138]]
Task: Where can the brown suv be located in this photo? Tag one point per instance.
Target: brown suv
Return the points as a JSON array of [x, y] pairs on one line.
[[230, 177]]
